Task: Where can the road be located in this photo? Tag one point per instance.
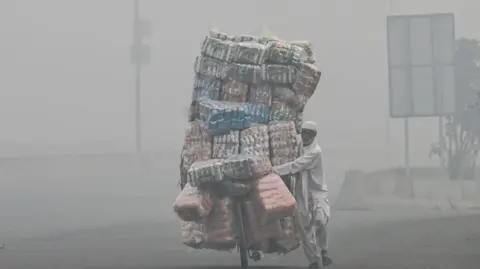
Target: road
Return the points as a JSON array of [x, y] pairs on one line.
[[359, 240]]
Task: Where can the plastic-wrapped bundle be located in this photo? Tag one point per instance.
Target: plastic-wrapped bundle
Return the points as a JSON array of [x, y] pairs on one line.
[[256, 232], [285, 95], [196, 136], [220, 35], [247, 166], [226, 145], [283, 142], [193, 204], [207, 171], [260, 94], [220, 117], [281, 112], [276, 201], [208, 66], [278, 74], [257, 113], [192, 234], [193, 154], [220, 226], [308, 77], [206, 87], [245, 38], [246, 73], [255, 140], [308, 48], [247, 53], [234, 91], [216, 48], [281, 52]]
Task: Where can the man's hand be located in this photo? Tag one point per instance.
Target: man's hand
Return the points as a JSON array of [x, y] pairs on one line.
[[275, 170]]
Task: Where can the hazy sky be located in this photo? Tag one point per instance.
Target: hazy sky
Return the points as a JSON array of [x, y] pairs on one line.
[[67, 78]]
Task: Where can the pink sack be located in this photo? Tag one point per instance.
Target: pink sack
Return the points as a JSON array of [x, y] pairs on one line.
[[275, 199], [193, 204], [220, 226]]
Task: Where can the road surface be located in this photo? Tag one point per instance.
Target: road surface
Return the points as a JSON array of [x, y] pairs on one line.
[[359, 240]]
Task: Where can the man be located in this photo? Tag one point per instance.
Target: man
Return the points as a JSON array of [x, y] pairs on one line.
[[311, 193]]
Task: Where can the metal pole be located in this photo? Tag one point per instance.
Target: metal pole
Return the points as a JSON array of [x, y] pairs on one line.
[[138, 125], [441, 142], [408, 175]]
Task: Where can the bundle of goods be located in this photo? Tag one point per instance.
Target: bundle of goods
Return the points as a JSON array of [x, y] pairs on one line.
[[245, 116]]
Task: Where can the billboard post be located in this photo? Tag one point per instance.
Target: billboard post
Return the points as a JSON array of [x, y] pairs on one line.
[[421, 69]]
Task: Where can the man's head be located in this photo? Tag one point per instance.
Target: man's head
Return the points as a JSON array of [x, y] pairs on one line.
[[309, 132]]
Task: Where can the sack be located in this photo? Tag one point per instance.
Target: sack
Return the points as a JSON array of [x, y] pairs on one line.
[[202, 172], [193, 154], [278, 74], [275, 199], [208, 66], [192, 234], [245, 73], [193, 204], [247, 166], [216, 48], [308, 77], [247, 53], [234, 91], [260, 94], [220, 117], [204, 86], [226, 145], [255, 231], [220, 226], [256, 114], [255, 140]]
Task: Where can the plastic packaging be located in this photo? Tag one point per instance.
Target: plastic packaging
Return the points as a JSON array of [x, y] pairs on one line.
[[216, 48], [220, 226], [278, 74], [202, 172], [247, 166], [193, 204], [234, 91], [226, 145]]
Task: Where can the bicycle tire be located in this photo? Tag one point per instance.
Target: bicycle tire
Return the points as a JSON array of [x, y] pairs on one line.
[[242, 244]]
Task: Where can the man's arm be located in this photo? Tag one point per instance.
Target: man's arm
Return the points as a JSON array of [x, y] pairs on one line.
[[300, 164]]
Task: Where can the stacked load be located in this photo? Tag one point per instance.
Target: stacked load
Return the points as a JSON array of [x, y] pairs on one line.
[[245, 115]]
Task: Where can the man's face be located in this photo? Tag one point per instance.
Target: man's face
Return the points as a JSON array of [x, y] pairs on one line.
[[308, 136]]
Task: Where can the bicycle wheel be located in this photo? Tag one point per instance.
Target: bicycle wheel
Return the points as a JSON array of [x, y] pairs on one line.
[[242, 242]]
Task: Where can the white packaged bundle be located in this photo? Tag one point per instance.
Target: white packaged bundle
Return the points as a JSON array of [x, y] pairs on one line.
[[283, 142], [216, 48], [208, 66], [284, 53], [193, 234], [226, 145], [283, 94], [308, 77], [255, 140], [278, 74], [247, 53], [308, 48], [245, 38], [234, 91], [205, 86], [260, 94], [219, 116], [256, 114], [246, 73], [193, 154], [196, 136], [247, 166], [203, 172], [281, 112], [220, 35]]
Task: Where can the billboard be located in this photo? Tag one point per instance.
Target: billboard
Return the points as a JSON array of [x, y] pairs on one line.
[[421, 70]]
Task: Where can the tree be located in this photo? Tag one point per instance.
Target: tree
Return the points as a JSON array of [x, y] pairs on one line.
[[462, 130]]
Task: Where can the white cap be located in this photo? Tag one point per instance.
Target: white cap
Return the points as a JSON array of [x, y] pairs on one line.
[[309, 125]]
